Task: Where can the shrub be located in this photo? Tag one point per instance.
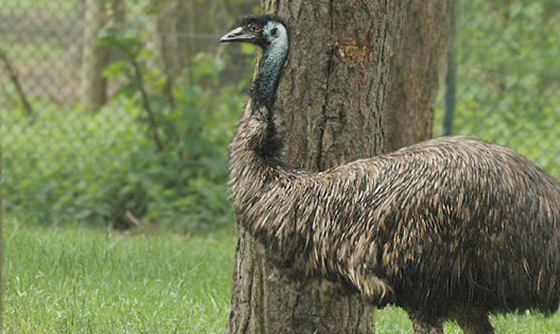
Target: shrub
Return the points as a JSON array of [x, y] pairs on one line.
[[104, 168]]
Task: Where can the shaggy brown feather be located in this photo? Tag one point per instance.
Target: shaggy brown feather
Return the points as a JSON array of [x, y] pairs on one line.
[[449, 220]]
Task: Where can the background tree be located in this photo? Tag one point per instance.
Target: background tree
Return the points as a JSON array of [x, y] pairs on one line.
[[168, 26], [93, 84], [416, 65], [332, 103], [96, 14]]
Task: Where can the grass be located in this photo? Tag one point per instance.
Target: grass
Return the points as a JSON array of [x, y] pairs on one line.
[[392, 320], [93, 281]]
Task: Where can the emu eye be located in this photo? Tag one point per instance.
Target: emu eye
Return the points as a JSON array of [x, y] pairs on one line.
[[257, 29], [274, 31]]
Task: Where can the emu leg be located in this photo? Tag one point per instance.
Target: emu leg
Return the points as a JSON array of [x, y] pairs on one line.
[[426, 326], [474, 321]]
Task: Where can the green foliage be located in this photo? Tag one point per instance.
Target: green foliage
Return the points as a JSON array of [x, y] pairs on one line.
[[54, 175], [183, 168], [67, 165], [144, 158], [508, 77], [113, 166]]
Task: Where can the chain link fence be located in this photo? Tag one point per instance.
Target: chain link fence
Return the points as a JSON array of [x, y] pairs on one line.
[[508, 76], [77, 140], [50, 46], [76, 144]]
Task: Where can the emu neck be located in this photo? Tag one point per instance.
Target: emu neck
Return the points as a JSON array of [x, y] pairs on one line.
[[263, 90], [254, 147], [256, 131]]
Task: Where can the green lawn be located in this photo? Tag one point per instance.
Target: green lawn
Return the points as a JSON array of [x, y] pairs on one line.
[[83, 281], [92, 281]]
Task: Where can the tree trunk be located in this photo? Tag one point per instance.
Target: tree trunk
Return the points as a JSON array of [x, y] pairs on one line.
[[1, 243], [450, 81], [93, 85], [331, 105], [166, 44], [416, 67], [76, 40]]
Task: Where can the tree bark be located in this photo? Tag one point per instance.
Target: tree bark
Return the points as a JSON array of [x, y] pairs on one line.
[[331, 104], [416, 66], [93, 84], [168, 48]]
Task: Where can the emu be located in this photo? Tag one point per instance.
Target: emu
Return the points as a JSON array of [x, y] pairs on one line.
[[452, 228]]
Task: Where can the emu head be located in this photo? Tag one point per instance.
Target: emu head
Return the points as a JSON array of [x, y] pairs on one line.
[[263, 30]]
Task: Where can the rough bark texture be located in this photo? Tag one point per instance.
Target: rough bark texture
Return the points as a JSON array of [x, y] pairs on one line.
[[415, 70], [331, 106]]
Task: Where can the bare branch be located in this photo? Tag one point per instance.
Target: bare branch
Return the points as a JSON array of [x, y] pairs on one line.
[[12, 74]]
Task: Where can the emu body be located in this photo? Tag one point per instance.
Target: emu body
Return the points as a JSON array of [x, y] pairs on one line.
[[451, 228]]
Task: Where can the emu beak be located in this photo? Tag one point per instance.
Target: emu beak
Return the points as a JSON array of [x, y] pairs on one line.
[[237, 35]]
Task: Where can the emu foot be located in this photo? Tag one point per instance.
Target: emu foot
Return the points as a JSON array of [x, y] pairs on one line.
[[474, 321], [422, 325]]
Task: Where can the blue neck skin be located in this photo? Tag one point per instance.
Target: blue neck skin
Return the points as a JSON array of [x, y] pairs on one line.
[[264, 87]]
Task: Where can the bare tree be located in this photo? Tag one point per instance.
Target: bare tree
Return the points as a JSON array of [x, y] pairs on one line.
[[14, 78], [332, 104], [167, 45], [94, 57]]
